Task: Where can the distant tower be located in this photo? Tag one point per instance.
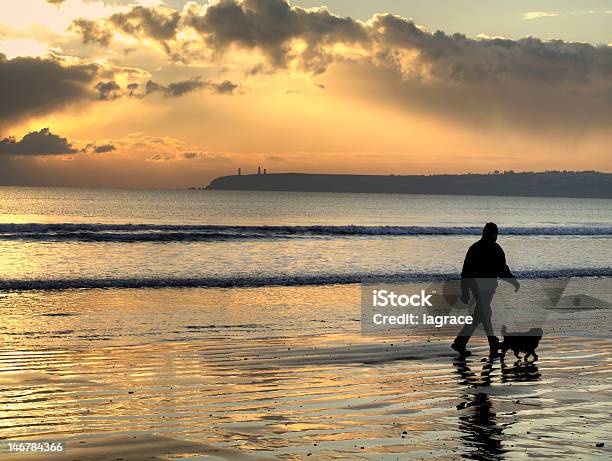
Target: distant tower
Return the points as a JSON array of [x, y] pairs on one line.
[[258, 170], [239, 171], [265, 171]]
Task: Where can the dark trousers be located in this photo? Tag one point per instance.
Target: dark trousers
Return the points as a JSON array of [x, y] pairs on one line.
[[482, 315]]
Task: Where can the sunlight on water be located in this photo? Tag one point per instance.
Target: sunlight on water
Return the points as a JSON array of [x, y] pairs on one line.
[[57, 205]]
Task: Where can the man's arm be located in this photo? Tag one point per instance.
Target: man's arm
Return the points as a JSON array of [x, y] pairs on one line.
[[504, 272], [466, 275]]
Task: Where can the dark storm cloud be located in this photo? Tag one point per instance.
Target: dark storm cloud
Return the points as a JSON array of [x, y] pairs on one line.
[[37, 86], [41, 142], [91, 31]]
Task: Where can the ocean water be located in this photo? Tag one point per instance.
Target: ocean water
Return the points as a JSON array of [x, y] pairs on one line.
[[72, 238], [232, 319]]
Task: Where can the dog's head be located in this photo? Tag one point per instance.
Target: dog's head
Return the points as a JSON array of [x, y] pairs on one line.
[[536, 332]]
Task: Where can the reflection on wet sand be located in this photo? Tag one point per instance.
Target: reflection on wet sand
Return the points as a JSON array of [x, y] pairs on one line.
[[338, 396], [477, 420], [520, 371], [482, 431], [208, 378]]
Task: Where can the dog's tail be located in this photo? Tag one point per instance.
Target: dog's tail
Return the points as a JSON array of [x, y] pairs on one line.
[[503, 330]]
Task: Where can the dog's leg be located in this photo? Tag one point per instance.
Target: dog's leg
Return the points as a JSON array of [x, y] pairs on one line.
[[504, 349], [526, 356]]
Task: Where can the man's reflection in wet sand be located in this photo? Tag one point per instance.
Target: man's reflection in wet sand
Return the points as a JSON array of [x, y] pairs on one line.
[[482, 434], [481, 429]]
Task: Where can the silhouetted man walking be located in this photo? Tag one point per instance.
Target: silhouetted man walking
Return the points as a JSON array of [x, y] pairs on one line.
[[484, 262]]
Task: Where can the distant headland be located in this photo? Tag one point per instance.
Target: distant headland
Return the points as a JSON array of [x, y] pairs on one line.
[[590, 184]]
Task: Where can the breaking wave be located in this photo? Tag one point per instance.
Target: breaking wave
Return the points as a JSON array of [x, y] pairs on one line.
[[267, 280], [194, 233]]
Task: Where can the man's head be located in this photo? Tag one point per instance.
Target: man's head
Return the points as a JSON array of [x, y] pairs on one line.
[[489, 232]]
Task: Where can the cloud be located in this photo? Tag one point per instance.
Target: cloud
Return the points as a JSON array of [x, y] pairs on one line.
[[159, 23], [92, 31], [539, 15], [224, 87], [159, 158], [139, 160], [111, 90], [309, 38], [132, 89], [180, 88], [108, 91], [37, 86], [269, 26], [528, 81], [458, 59], [41, 142], [208, 157], [100, 149]]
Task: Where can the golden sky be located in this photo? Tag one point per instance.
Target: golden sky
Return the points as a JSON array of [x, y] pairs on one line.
[[154, 94]]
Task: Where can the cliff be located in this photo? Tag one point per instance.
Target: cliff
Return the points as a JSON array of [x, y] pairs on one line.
[[545, 184]]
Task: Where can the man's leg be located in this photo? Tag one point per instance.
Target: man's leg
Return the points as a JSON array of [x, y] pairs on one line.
[[482, 314], [486, 297], [468, 329]]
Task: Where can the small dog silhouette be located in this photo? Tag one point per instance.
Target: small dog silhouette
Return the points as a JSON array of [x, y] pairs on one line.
[[521, 342]]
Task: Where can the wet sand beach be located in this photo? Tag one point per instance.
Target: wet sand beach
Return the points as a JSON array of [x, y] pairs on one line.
[[186, 390]]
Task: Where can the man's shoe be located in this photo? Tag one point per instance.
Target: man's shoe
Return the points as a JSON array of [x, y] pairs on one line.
[[461, 349]]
